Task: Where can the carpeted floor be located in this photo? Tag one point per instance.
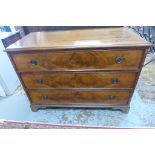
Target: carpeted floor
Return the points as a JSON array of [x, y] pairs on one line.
[[146, 82]]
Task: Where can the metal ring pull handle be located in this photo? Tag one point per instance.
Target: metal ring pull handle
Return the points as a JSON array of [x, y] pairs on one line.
[[33, 62], [39, 81], [118, 60], [45, 97], [114, 81], [111, 97]]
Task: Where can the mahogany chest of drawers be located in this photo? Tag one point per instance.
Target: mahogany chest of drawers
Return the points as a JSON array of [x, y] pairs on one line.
[[79, 68]]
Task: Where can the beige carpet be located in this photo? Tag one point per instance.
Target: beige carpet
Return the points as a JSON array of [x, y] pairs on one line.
[[146, 83]]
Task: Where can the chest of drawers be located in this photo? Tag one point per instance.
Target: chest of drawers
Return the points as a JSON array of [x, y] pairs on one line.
[[79, 68]]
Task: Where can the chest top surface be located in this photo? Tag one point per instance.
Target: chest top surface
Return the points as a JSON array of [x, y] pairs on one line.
[[75, 39]]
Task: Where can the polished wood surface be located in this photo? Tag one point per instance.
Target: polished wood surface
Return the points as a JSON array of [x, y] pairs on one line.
[[72, 39], [80, 97], [79, 80], [81, 68], [71, 60]]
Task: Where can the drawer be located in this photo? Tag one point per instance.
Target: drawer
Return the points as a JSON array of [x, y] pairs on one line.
[[69, 60], [79, 97], [79, 80]]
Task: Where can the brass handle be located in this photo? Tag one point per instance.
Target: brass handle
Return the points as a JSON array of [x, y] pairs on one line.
[[118, 60], [33, 62], [45, 97], [39, 81], [114, 81], [111, 97]]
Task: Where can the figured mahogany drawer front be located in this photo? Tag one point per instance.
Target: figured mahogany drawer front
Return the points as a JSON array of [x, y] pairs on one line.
[[43, 61], [79, 97], [79, 80]]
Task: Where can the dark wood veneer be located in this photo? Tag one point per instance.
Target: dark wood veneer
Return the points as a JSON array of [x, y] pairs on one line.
[[80, 97], [77, 60], [104, 74], [79, 80]]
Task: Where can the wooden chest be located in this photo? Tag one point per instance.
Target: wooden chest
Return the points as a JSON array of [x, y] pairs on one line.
[[79, 68]]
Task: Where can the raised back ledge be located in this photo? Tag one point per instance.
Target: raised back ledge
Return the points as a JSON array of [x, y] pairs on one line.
[[80, 39]]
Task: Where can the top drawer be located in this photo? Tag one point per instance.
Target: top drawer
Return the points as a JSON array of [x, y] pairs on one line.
[[74, 60]]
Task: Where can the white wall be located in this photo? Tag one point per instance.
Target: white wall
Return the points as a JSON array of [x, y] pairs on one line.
[[8, 78]]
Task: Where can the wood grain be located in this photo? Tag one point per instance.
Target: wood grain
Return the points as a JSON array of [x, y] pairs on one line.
[[74, 60], [79, 80], [125, 108], [80, 97], [76, 68], [72, 39]]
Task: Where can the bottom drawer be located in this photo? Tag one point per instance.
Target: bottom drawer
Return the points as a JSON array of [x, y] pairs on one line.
[[80, 97]]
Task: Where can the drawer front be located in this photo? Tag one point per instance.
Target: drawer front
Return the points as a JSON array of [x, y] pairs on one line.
[[80, 97], [129, 59], [79, 80]]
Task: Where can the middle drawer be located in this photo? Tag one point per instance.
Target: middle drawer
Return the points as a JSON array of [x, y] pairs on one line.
[[78, 80]]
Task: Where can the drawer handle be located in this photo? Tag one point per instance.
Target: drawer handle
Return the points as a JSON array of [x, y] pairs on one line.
[[114, 81], [118, 60], [39, 81], [45, 97], [33, 62], [111, 97]]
